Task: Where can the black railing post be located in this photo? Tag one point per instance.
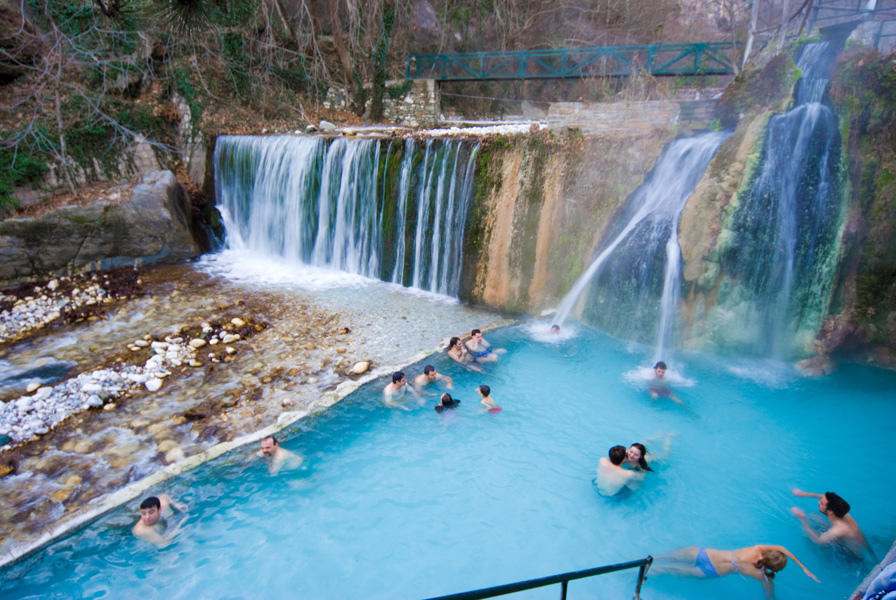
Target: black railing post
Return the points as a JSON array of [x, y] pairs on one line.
[[642, 576], [563, 590]]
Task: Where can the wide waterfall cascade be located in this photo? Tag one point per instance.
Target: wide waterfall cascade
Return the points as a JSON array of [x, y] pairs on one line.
[[628, 297], [383, 209], [781, 261]]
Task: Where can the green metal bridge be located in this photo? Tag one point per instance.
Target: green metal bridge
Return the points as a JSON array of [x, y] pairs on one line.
[[656, 59]]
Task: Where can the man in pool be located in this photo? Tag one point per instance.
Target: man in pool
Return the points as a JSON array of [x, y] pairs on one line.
[[658, 387], [153, 524], [277, 457], [611, 477], [397, 389], [479, 348], [430, 375], [555, 329], [844, 531]]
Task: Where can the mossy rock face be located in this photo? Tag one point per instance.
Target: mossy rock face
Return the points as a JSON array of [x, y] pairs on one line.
[[768, 88]]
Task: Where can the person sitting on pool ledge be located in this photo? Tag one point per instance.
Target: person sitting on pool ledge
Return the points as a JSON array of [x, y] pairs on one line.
[[611, 477], [759, 562], [658, 387], [396, 389], [458, 353], [487, 401], [430, 375], [844, 530], [479, 348], [446, 402], [153, 524], [277, 457]]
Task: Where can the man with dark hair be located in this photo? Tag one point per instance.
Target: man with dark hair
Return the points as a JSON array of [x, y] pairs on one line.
[[396, 390], [658, 388], [485, 393], [611, 477], [843, 531], [277, 457], [430, 375], [479, 348], [153, 524]]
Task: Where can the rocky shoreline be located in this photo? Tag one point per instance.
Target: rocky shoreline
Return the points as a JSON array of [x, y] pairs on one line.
[[183, 365]]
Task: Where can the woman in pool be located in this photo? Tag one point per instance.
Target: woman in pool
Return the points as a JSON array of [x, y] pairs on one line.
[[636, 457], [458, 353], [446, 402], [759, 562]]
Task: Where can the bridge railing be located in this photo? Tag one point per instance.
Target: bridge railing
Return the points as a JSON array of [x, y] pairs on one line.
[[563, 579], [656, 59]]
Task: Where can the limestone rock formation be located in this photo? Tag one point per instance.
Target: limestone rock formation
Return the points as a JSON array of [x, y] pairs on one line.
[[151, 225]]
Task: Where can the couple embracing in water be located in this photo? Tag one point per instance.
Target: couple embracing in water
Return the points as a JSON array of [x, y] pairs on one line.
[[622, 467]]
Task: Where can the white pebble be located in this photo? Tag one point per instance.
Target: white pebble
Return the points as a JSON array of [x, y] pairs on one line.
[[154, 384]]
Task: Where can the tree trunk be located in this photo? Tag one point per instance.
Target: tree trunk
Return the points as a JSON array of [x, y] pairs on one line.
[[379, 61], [352, 82], [754, 17]]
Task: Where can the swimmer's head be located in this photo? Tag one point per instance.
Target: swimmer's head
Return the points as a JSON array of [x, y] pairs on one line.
[[269, 445], [636, 456], [555, 329], [771, 562], [617, 455], [659, 369], [397, 376], [484, 390], [833, 503], [150, 510], [476, 333], [447, 400], [430, 372], [453, 342]]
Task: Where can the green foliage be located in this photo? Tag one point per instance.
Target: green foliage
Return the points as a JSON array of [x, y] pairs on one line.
[[400, 91], [233, 47], [17, 169]]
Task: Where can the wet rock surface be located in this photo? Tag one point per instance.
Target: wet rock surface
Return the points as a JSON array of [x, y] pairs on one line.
[[186, 361]]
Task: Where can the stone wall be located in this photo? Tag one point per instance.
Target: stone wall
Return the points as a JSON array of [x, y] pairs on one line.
[[631, 118], [420, 107]]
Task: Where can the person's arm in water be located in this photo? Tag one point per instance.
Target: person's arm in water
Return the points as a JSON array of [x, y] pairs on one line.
[[789, 554], [390, 401], [449, 382], [828, 537], [168, 501], [801, 494]]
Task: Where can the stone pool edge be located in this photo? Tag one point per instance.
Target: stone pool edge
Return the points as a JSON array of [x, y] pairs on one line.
[[286, 419]]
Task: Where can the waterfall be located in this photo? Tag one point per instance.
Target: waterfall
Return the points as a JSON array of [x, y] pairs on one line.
[[780, 263], [332, 204], [624, 274]]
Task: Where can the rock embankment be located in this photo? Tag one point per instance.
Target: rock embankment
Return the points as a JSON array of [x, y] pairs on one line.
[[148, 223]]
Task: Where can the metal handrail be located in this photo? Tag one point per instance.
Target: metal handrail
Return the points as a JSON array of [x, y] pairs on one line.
[[657, 59], [563, 579]]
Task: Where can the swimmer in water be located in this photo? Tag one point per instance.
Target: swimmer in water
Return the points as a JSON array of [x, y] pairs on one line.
[[397, 389], [447, 402], [759, 562], [611, 477], [277, 457], [658, 387], [430, 375], [458, 353], [485, 393], [844, 531], [479, 348], [555, 329], [636, 457], [153, 525]]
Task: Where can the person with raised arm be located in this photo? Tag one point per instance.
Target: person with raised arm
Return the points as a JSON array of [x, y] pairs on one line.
[[844, 531]]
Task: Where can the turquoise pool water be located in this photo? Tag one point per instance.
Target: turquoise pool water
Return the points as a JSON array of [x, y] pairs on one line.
[[394, 504]]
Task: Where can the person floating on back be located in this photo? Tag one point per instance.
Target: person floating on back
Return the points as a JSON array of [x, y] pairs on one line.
[[759, 562], [658, 385], [611, 477], [487, 401], [153, 526], [844, 531]]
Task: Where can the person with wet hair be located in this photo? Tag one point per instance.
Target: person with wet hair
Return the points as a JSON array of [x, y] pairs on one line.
[[485, 393], [760, 562], [276, 457], [430, 375], [395, 390], [636, 456], [611, 477], [458, 353], [480, 349], [658, 388], [446, 402], [844, 531], [153, 525]]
